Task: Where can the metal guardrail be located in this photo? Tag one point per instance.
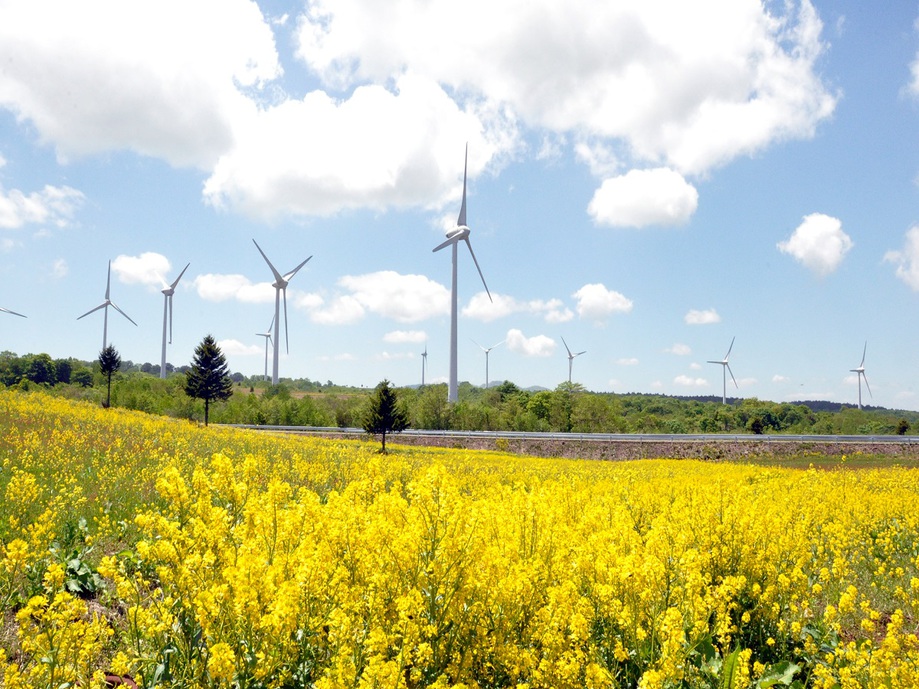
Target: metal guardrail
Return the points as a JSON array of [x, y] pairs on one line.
[[602, 437]]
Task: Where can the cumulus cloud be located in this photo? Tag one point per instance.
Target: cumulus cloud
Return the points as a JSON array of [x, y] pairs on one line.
[[679, 349], [778, 378], [697, 317], [342, 310], [644, 197], [690, 382], [629, 361], [217, 287], [403, 298], [237, 348], [596, 302], [818, 243], [149, 269], [405, 336], [50, 206], [480, 307], [539, 345], [906, 260], [59, 268]]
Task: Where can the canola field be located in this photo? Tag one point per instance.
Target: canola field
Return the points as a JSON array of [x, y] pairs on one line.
[[193, 557]]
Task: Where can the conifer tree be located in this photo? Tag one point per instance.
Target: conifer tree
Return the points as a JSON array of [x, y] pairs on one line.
[[384, 413], [208, 379], [109, 362]]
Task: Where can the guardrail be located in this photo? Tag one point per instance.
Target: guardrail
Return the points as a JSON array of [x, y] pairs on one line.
[[601, 437]]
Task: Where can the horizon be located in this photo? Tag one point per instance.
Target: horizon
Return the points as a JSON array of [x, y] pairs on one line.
[[732, 170]]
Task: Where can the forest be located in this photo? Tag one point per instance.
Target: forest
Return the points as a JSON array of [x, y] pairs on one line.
[[502, 407]]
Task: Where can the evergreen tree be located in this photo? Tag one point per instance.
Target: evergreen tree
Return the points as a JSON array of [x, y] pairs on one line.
[[208, 378], [109, 362], [384, 413]]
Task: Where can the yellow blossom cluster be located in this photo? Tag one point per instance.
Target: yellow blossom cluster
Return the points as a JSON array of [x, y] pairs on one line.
[[235, 559]]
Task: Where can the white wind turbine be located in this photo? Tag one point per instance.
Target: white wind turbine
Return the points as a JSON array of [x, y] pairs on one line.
[[726, 368], [424, 362], [454, 237], [487, 351], [168, 290], [12, 312], [280, 285], [104, 306], [571, 358], [267, 336], [861, 374]]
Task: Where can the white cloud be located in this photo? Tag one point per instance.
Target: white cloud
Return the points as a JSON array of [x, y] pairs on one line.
[[697, 317], [690, 382], [695, 366], [501, 305], [100, 77], [539, 345], [342, 310], [818, 243], [405, 336], [59, 268], [631, 361], [906, 259], [149, 269], [596, 302], [679, 349], [216, 287], [237, 348], [644, 197], [51, 205], [778, 378], [403, 298]]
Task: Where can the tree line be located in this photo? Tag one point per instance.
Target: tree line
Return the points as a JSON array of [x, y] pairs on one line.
[[504, 407]]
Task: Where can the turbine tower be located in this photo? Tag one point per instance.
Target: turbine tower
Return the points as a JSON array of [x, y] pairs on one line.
[[726, 368], [168, 290], [861, 374], [454, 237], [104, 306], [486, 357], [280, 285], [12, 312], [571, 358], [267, 336], [424, 362]]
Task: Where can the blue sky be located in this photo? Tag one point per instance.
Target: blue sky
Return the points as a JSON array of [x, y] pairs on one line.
[[647, 180]]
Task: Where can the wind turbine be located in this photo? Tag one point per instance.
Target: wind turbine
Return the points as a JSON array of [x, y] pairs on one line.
[[104, 306], [12, 312], [861, 374], [424, 362], [168, 290], [267, 336], [454, 237], [571, 357], [486, 357], [280, 285], [726, 368]]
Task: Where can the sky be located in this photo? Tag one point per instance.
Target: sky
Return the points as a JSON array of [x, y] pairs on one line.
[[650, 180]]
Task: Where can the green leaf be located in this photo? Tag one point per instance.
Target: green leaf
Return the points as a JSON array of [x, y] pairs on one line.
[[779, 674], [729, 669]]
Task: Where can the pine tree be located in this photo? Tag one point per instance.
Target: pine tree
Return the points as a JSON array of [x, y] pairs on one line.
[[384, 414], [208, 379], [109, 362]]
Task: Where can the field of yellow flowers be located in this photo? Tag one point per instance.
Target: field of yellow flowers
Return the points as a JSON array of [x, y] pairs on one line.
[[192, 557]]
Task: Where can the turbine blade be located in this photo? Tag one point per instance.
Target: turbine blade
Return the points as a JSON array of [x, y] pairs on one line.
[[101, 306], [732, 375], [122, 312], [12, 312], [277, 275], [173, 285], [580, 353], [499, 344], [290, 275], [730, 348], [461, 221], [445, 244], [286, 336], [469, 244], [864, 351], [567, 347], [108, 281], [866, 384]]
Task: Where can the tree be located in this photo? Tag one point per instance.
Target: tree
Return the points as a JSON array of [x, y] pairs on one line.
[[208, 378], [384, 413], [109, 362]]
